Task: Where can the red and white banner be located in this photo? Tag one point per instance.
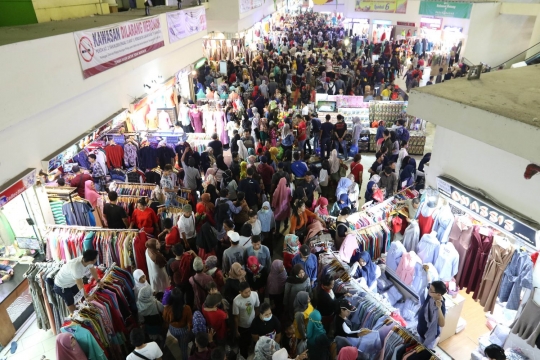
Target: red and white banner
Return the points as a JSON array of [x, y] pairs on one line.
[[184, 23], [26, 182], [103, 48]]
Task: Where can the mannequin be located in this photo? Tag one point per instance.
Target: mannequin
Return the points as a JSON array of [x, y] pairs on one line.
[[221, 121], [152, 119], [209, 124], [196, 117], [164, 121], [427, 213], [184, 118]]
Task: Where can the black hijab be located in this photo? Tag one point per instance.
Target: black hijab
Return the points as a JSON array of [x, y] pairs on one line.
[[206, 238]]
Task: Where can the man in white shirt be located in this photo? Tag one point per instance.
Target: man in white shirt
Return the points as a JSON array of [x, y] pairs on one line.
[[245, 308], [305, 110], [68, 281], [149, 350], [186, 227]]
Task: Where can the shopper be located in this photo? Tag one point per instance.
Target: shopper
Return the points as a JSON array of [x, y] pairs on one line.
[[143, 350], [199, 283], [69, 280], [179, 318], [245, 308], [431, 315], [156, 266], [79, 180], [115, 215], [144, 218]]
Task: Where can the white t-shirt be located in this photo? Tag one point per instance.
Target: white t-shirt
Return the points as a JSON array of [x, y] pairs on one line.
[[245, 309], [187, 225], [151, 351], [69, 273]]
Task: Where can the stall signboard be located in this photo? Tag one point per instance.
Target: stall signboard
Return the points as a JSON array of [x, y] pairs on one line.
[[382, 22], [461, 10], [119, 139], [23, 183], [487, 210], [106, 47], [431, 23], [453, 29], [349, 101], [248, 5], [402, 23], [382, 6], [153, 140], [184, 23], [173, 140]]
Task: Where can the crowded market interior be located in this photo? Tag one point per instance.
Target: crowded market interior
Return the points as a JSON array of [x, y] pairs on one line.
[[271, 200]]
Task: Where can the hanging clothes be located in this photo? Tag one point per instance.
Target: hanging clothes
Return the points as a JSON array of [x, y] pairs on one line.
[[393, 257], [498, 260], [443, 223], [517, 276], [426, 219], [460, 236], [428, 248], [527, 325], [474, 266], [447, 262], [411, 236]]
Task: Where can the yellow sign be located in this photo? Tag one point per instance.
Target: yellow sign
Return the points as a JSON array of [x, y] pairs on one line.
[[383, 6], [320, 2]]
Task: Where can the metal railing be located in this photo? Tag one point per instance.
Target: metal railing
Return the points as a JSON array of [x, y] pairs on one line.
[[519, 57]]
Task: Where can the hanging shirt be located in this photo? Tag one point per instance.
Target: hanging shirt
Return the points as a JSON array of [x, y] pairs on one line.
[[406, 267], [428, 248], [393, 257], [447, 262], [443, 224], [518, 275]]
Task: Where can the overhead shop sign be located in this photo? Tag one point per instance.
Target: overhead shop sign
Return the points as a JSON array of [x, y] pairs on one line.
[[184, 23], [385, 6], [459, 10], [493, 214], [23, 182], [103, 48], [248, 5]]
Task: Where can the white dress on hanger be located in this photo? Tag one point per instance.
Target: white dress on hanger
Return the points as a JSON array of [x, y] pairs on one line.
[[158, 276]]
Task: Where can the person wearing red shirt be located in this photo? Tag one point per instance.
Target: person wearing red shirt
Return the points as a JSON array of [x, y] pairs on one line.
[[302, 134], [215, 317], [79, 180], [144, 218], [172, 235], [266, 171], [357, 169]]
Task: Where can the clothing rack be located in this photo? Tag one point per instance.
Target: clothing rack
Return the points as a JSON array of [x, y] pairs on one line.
[[104, 276], [391, 274], [85, 228]]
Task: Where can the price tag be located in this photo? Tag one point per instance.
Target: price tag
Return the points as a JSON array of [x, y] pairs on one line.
[[119, 139], [78, 296]]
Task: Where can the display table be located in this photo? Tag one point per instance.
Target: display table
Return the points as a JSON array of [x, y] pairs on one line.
[[417, 141], [454, 306], [10, 291]]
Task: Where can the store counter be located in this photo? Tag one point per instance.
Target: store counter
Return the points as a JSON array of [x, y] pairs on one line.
[[417, 141], [10, 292], [454, 306]]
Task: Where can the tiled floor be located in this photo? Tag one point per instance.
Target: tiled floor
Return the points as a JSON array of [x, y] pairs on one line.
[[33, 344]]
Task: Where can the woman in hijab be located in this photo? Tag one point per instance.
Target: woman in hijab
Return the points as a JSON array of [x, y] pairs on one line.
[[207, 159], [156, 266], [342, 203], [334, 166], [256, 275], [242, 150], [322, 207], [67, 348], [243, 170], [264, 89], [408, 175], [371, 188], [354, 193], [268, 225], [208, 204], [234, 143], [291, 244], [212, 270], [265, 348], [140, 281], [281, 200], [343, 186], [150, 310], [207, 241], [364, 268], [273, 154], [232, 284], [297, 281], [95, 200], [315, 329], [302, 310], [287, 138], [348, 353], [276, 286], [221, 168]]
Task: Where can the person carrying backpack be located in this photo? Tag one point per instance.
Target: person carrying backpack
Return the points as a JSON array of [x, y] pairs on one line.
[[402, 134]]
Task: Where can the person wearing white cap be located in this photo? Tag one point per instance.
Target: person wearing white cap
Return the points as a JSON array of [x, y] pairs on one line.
[[233, 254]]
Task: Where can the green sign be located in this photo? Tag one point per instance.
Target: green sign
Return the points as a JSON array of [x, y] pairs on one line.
[[446, 9]]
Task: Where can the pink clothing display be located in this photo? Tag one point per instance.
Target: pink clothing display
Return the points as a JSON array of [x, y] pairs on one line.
[[405, 270], [221, 126], [348, 246], [281, 201], [196, 120]]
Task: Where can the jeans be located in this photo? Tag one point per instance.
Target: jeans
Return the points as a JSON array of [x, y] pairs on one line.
[[343, 144], [316, 135], [244, 341], [326, 144]]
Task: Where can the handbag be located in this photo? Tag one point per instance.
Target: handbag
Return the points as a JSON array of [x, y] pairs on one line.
[[378, 195]]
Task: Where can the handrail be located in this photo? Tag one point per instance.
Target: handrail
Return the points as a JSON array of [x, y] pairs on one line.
[[496, 67]]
